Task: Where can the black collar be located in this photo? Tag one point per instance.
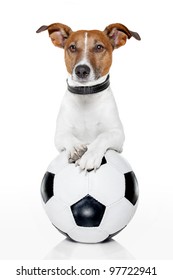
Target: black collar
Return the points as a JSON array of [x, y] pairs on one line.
[[89, 89]]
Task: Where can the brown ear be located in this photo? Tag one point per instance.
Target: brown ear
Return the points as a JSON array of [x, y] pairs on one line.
[[118, 34], [57, 32]]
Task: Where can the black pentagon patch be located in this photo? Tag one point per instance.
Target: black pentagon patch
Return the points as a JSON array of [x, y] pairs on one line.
[[47, 186], [88, 212], [103, 162], [131, 184]]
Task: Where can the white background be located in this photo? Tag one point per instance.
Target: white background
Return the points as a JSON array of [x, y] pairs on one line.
[[33, 81]]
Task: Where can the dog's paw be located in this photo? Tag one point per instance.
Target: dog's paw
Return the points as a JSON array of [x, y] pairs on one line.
[[90, 160], [76, 152]]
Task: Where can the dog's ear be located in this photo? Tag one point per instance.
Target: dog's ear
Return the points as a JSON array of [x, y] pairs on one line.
[[118, 34], [57, 32]]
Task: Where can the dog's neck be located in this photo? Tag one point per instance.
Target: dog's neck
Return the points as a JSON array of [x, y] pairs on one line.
[[90, 87]]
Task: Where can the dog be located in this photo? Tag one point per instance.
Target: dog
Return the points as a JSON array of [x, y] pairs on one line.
[[88, 123]]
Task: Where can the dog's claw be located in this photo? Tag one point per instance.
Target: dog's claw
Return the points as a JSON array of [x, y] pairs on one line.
[[76, 153]]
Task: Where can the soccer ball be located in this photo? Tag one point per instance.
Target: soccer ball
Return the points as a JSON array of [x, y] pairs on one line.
[[90, 206]]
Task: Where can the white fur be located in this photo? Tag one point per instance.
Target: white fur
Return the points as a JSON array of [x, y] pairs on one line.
[[91, 121], [85, 44]]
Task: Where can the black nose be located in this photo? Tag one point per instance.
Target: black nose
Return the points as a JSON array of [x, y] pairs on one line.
[[82, 71]]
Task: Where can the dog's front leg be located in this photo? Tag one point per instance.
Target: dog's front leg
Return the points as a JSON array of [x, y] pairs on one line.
[[74, 147], [92, 158]]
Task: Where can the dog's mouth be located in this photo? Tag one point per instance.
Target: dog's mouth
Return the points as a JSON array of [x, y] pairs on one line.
[[81, 80]]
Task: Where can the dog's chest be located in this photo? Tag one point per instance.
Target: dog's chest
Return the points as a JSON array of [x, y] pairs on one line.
[[86, 118], [87, 123]]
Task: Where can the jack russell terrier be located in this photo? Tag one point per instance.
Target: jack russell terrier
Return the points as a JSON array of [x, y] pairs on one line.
[[88, 123]]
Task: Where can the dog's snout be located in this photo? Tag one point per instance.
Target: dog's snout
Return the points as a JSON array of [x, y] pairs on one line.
[[82, 71]]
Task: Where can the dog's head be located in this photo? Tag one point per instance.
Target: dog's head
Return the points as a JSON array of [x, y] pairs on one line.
[[88, 54]]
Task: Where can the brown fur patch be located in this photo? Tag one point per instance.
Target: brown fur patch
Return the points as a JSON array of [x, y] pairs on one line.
[[101, 61], [72, 58]]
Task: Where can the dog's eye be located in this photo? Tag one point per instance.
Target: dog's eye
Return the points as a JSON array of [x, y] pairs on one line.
[[99, 48], [72, 48]]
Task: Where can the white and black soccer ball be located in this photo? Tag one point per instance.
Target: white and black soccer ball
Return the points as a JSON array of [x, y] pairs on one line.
[[94, 206]]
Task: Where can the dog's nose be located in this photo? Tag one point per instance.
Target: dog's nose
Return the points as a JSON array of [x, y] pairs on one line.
[[82, 71]]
